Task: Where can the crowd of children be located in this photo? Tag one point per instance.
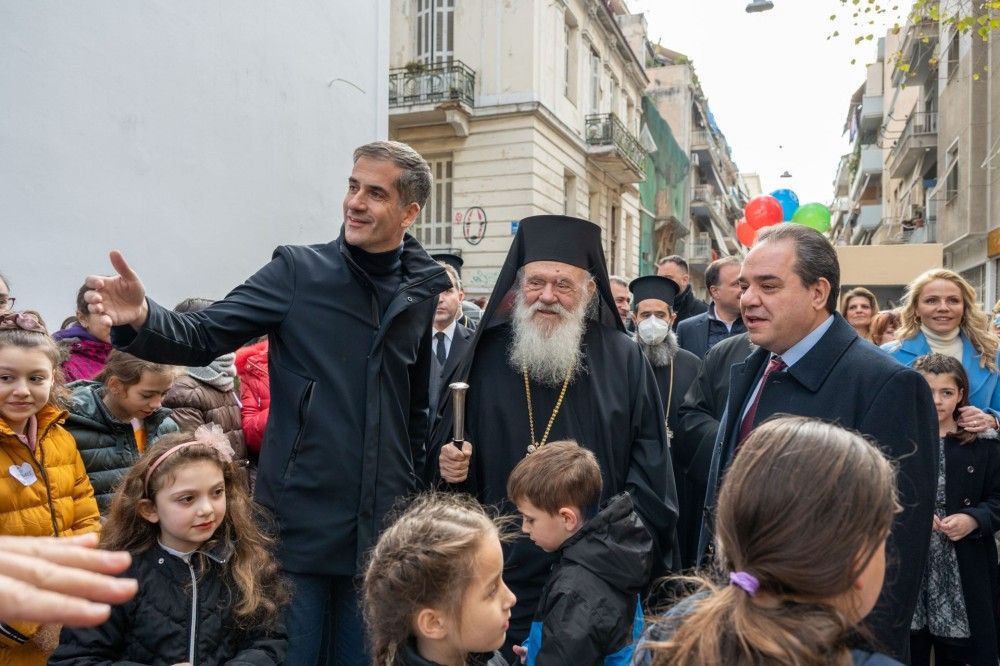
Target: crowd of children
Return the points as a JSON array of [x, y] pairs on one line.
[[800, 530]]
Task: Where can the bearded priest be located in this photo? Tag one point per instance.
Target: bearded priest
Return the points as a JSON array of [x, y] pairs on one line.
[[551, 361], [675, 370]]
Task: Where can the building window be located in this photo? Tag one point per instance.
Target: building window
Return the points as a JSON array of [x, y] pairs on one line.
[[595, 82], [433, 226], [435, 31], [953, 55], [570, 59], [614, 96], [951, 171], [977, 278]]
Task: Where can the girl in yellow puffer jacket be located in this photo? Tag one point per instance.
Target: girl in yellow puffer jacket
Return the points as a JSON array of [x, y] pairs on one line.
[[44, 488]]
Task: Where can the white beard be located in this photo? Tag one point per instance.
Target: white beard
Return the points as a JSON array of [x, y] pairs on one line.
[[662, 353], [551, 351]]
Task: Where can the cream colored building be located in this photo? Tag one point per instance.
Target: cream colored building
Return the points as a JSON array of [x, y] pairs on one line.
[[521, 108]]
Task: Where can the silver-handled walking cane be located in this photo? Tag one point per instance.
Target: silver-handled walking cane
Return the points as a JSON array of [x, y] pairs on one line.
[[458, 390]]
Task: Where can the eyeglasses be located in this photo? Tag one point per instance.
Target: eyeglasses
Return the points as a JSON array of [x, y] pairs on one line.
[[25, 321], [6, 301]]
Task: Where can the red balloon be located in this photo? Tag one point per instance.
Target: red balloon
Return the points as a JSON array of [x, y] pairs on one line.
[[745, 233], [763, 211]]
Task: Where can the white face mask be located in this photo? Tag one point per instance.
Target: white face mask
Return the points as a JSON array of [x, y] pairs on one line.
[[653, 330]]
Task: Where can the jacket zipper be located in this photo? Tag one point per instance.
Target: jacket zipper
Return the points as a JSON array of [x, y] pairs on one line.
[[45, 479], [194, 611], [304, 405]]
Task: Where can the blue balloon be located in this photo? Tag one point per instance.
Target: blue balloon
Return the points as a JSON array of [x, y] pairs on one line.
[[789, 203]]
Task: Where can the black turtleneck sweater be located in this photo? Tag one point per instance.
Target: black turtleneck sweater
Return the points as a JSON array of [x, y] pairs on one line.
[[384, 269]]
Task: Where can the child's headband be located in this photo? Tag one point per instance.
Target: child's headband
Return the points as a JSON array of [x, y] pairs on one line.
[[206, 435]]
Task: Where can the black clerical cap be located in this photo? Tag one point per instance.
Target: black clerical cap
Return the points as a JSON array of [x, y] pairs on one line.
[[559, 238], [452, 260], [654, 286]]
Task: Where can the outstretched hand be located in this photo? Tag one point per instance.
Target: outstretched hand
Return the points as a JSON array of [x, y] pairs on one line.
[[65, 580], [119, 299]]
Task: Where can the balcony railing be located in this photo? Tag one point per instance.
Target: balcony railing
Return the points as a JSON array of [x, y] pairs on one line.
[[704, 193], [919, 124], [604, 129], [431, 84]]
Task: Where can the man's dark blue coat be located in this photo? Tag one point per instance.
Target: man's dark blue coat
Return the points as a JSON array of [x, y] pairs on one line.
[[345, 436], [848, 381]]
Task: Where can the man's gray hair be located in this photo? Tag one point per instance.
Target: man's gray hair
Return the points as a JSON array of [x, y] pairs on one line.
[[414, 182], [815, 257], [619, 280]]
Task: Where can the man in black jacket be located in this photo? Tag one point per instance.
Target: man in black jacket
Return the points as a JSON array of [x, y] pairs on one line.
[[701, 332], [686, 304], [810, 362], [698, 418], [349, 363]]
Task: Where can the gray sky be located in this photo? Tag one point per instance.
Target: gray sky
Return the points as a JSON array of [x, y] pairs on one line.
[[772, 79]]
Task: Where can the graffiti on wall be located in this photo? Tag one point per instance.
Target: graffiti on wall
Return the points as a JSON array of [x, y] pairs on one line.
[[473, 222]]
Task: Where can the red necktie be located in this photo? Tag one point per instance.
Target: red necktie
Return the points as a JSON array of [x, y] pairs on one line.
[[774, 365]]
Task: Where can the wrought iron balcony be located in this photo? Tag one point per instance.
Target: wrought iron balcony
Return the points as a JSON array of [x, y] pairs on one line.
[[604, 129], [432, 84]]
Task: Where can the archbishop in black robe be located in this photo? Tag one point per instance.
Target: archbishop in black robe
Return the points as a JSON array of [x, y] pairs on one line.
[[611, 407]]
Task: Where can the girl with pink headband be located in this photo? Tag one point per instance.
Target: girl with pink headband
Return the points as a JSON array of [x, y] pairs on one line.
[[210, 591]]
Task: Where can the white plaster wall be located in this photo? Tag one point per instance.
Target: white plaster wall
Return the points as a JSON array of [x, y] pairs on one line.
[[194, 136]]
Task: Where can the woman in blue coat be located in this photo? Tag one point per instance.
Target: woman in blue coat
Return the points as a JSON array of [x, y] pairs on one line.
[[940, 315]]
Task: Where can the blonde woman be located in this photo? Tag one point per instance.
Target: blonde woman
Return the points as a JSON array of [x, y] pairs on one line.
[[940, 315], [859, 306]]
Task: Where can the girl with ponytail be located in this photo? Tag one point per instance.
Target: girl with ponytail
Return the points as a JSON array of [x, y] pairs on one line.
[[801, 524], [433, 591]]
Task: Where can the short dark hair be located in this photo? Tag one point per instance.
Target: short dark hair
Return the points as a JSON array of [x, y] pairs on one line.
[[676, 260], [715, 268], [557, 475], [414, 182], [815, 257]]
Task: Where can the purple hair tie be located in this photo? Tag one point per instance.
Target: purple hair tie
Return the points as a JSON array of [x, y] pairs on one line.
[[746, 581]]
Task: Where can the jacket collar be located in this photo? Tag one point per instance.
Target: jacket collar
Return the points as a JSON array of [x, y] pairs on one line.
[[810, 371], [918, 346], [48, 416], [88, 397]]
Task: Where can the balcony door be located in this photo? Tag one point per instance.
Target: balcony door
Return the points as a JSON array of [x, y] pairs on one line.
[[435, 31]]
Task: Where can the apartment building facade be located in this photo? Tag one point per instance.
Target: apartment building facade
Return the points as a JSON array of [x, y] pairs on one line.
[[521, 109], [934, 147], [714, 190]]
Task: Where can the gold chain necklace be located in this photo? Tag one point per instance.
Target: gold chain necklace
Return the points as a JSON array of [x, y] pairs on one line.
[[537, 444]]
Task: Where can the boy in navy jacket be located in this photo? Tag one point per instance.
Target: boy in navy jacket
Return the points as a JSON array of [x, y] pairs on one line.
[[589, 611]]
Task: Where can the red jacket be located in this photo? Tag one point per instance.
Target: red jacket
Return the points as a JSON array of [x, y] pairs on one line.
[[255, 393]]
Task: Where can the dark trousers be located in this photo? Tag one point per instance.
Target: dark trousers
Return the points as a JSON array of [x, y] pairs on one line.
[[324, 622], [947, 651]]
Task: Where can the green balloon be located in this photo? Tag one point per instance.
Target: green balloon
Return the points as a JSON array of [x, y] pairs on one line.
[[815, 216]]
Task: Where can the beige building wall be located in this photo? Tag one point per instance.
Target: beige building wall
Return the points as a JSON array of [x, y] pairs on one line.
[[962, 148], [521, 148]]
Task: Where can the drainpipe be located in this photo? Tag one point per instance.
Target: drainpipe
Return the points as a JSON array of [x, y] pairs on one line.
[[990, 262]]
